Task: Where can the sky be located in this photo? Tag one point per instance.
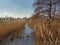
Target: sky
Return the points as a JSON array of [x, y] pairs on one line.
[[16, 8]]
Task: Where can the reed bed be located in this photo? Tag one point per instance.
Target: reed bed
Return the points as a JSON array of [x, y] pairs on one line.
[[45, 32], [11, 28]]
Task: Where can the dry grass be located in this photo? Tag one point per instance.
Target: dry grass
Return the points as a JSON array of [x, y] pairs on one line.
[[44, 31], [11, 27]]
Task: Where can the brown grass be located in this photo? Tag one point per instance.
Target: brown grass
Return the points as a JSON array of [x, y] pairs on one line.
[[44, 31], [11, 27]]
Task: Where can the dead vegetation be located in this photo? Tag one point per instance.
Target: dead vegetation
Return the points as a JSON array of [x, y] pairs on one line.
[[44, 31], [12, 28]]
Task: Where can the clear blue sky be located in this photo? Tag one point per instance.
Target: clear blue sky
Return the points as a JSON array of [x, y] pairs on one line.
[[16, 8]]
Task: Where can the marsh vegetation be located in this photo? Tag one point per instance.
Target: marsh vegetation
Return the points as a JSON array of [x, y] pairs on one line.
[[42, 28]]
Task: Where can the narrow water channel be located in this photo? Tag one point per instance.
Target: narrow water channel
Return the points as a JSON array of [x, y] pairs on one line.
[[25, 39]]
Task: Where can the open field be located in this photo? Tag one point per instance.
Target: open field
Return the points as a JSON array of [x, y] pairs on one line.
[[43, 31], [11, 28]]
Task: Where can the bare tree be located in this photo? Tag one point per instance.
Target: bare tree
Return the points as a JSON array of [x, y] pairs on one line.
[[46, 6]]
